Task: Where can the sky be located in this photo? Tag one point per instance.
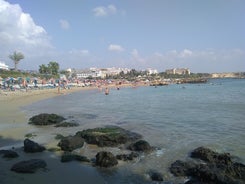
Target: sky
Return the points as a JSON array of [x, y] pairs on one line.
[[202, 35]]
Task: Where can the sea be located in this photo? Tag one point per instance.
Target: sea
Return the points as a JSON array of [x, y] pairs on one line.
[[175, 119]]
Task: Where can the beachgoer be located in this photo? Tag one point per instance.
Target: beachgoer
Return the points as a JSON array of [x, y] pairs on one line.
[[106, 91]]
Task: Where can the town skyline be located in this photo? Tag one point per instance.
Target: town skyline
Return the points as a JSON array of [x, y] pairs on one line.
[[206, 36]]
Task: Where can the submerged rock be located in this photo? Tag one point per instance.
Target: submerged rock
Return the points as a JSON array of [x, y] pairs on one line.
[[105, 159], [140, 145], [32, 147], [67, 124], [8, 153], [71, 143], [68, 157], [156, 176], [217, 168], [29, 166], [127, 157], [108, 136], [46, 119]]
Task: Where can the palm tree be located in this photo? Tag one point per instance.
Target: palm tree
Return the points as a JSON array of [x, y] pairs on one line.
[[16, 57]]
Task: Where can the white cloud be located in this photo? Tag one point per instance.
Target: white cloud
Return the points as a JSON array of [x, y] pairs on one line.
[[185, 53], [102, 11], [64, 24], [114, 47], [19, 32], [79, 52]]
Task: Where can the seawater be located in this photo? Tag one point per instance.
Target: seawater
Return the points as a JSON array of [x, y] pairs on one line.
[[175, 118]]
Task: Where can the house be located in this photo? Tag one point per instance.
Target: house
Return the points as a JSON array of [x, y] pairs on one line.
[[179, 71], [3, 66]]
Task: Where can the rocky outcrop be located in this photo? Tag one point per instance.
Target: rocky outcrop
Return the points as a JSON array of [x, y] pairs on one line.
[[110, 136], [67, 124], [32, 147], [29, 166], [156, 176], [140, 145], [71, 143], [46, 119], [127, 157], [68, 157], [105, 159], [8, 154], [213, 168]]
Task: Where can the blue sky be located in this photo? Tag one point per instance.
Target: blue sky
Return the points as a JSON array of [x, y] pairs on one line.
[[203, 35]]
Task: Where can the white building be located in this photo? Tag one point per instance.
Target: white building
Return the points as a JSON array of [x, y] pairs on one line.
[[179, 71], [151, 71], [3, 66]]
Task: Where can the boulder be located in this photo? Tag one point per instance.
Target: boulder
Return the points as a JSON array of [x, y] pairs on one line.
[[8, 153], [210, 156], [46, 119], [108, 136], [71, 143], [140, 145], [32, 147], [68, 157], [105, 159], [214, 168], [29, 166], [156, 176], [127, 157]]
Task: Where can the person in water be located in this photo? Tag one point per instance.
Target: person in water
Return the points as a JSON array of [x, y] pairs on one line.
[[106, 91]]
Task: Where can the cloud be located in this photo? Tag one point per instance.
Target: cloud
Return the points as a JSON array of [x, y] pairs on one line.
[[64, 24], [102, 11], [79, 52], [19, 32], [114, 47]]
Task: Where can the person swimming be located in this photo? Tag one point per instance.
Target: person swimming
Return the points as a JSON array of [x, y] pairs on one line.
[[106, 91]]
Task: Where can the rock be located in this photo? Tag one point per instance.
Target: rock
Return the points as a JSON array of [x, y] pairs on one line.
[[105, 159], [71, 143], [32, 147], [208, 155], [127, 157], [108, 136], [67, 124], [8, 153], [29, 166], [46, 119], [67, 157], [181, 168], [156, 176], [140, 145], [217, 168]]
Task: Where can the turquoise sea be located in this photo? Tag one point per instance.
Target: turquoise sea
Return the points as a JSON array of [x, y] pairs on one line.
[[175, 118]]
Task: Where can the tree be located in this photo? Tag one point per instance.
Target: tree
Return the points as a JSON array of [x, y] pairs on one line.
[[53, 67], [43, 69], [16, 57]]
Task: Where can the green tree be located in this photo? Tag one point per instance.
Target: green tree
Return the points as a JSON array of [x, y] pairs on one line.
[[43, 69], [16, 57], [53, 67]]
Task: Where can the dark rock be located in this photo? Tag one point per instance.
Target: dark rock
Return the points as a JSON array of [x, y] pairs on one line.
[[156, 176], [46, 119], [127, 157], [29, 166], [67, 124], [71, 143], [105, 159], [108, 136], [218, 168], [180, 168], [32, 147], [140, 145], [208, 155], [8, 153], [67, 157]]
